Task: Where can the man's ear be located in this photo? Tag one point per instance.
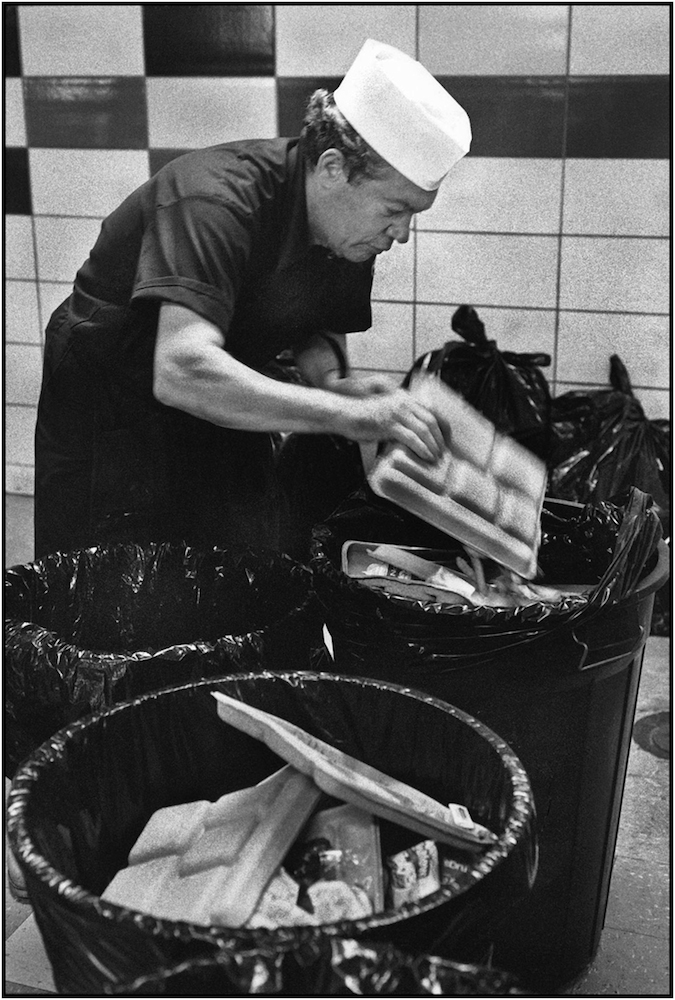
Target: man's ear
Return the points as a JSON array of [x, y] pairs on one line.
[[330, 167]]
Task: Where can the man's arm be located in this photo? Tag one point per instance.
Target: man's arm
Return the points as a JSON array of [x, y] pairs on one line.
[[193, 372], [319, 362]]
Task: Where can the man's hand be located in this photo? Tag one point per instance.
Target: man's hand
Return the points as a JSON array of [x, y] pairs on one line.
[[393, 416]]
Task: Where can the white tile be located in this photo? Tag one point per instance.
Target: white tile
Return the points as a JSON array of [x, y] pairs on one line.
[[520, 330], [23, 373], [197, 111], [621, 275], [617, 197], [15, 121], [394, 273], [50, 295], [19, 434], [586, 341], [19, 480], [323, 39], [19, 248], [620, 38], [498, 194], [84, 181], [388, 345], [81, 39], [63, 245], [657, 403], [26, 960], [487, 270], [22, 319], [493, 39]]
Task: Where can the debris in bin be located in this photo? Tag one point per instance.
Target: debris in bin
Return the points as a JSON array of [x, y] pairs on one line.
[[210, 862], [485, 490], [412, 874], [333, 872], [344, 777], [445, 579]]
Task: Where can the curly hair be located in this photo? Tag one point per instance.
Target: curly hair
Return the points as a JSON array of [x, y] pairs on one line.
[[325, 127]]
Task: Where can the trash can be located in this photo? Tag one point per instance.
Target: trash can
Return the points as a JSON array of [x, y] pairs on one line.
[[563, 696], [93, 627], [79, 803]]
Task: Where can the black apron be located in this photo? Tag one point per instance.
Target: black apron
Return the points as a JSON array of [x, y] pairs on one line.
[[114, 465]]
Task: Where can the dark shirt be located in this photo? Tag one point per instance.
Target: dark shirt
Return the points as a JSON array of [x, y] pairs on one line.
[[223, 231]]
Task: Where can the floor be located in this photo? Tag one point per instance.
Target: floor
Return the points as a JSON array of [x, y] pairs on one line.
[[634, 955]]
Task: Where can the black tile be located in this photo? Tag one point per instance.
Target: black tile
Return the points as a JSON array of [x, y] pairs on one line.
[[293, 92], [86, 112], [619, 117], [160, 157], [11, 51], [512, 115], [17, 200], [198, 39]]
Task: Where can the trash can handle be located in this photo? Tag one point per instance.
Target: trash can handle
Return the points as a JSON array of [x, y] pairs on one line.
[[626, 646]]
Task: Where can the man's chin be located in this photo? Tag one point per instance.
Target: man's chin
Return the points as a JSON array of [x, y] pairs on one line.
[[357, 255]]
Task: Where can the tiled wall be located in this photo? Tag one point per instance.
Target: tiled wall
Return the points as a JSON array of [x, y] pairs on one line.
[[555, 227]]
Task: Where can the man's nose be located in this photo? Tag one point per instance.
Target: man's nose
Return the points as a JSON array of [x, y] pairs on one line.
[[400, 230]]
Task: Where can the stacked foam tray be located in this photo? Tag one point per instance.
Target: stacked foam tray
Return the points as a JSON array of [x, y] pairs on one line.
[[486, 490]]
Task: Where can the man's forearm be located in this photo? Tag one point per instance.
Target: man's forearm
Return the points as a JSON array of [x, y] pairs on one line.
[[194, 373], [206, 381]]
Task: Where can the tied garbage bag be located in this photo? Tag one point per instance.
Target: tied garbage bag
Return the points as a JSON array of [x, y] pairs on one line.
[[90, 628], [507, 387], [602, 443]]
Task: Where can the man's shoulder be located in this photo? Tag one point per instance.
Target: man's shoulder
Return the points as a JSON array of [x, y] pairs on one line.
[[249, 169], [246, 157]]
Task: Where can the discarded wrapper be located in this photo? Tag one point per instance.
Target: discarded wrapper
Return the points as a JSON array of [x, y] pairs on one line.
[[344, 777]]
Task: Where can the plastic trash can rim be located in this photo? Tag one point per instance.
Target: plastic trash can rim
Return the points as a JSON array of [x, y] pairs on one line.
[[522, 816], [62, 646]]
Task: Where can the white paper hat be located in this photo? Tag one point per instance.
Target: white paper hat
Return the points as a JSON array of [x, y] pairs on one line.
[[405, 114]]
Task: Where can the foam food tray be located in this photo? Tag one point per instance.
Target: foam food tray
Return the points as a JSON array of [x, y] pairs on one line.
[[486, 490]]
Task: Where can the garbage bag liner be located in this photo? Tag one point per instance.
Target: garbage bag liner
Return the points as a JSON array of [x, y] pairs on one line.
[[89, 628], [79, 803]]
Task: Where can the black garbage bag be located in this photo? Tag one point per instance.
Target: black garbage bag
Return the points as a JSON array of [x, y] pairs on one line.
[[317, 472], [507, 387], [79, 803], [602, 443], [609, 546], [558, 681], [90, 628], [342, 967]]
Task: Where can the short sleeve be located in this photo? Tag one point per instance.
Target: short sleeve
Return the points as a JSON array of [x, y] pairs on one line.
[[194, 253]]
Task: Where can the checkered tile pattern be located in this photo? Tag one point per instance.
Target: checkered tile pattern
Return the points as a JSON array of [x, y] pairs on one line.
[[555, 227]]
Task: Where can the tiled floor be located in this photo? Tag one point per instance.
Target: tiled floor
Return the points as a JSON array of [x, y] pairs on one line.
[[634, 955]]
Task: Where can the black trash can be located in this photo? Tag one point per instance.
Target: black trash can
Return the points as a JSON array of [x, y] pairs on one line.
[[90, 628], [562, 696], [79, 803]]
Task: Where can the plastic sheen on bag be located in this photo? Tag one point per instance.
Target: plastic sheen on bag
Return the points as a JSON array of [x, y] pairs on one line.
[[507, 387], [79, 803], [90, 628], [609, 546], [602, 443]]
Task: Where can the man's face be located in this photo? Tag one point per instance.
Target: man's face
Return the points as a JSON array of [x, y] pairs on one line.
[[364, 217]]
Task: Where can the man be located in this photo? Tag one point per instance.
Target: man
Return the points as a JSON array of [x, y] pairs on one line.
[[155, 410]]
